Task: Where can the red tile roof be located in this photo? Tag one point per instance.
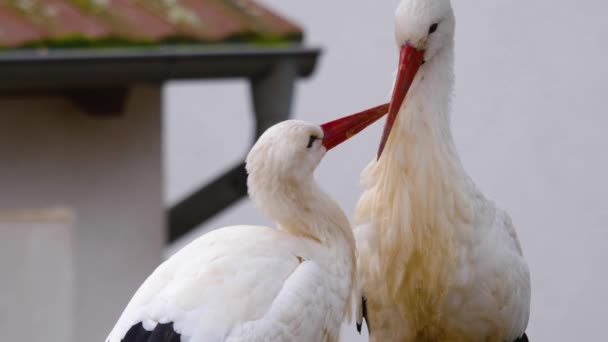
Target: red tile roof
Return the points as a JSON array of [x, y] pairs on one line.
[[26, 23]]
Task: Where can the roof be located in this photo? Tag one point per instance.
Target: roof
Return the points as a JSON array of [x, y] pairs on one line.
[[82, 23], [51, 44]]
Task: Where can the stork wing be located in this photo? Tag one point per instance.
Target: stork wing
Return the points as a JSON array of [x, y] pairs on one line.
[[518, 305], [501, 277], [231, 281]]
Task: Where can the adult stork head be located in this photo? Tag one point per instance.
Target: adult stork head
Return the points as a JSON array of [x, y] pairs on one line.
[[423, 29]]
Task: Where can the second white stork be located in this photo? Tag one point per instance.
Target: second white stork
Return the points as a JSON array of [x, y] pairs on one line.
[[438, 261], [250, 283]]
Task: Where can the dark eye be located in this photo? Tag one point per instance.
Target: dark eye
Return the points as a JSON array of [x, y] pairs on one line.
[[433, 28], [311, 141]]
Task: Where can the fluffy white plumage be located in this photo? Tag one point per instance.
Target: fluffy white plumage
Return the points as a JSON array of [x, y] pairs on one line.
[[438, 261], [250, 283]]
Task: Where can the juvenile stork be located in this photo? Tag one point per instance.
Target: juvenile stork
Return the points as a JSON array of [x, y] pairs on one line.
[[438, 261], [250, 283]]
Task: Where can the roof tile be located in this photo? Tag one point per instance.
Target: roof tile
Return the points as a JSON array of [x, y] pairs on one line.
[[61, 22], [14, 30]]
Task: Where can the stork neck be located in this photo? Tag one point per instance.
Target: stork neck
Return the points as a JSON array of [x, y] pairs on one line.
[[313, 214], [422, 135], [301, 208], [424, 118], [422, 146]]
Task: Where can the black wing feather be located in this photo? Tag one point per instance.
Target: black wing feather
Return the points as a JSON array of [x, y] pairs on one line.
[[364, 314], [522, 339], [164, 333], [161, 333], [137, 333]]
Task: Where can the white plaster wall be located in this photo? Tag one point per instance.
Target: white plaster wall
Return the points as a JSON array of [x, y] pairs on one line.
[[109, 173], [530, 121], [37, 274]]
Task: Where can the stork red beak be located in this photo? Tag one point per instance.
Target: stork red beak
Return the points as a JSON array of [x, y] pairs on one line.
[[409, 62], [340, 130]]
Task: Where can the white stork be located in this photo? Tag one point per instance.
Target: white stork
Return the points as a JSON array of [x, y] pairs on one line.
[[438, 261], [248, 283]]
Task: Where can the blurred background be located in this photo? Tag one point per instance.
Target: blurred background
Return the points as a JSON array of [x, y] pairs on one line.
[[106, 155]]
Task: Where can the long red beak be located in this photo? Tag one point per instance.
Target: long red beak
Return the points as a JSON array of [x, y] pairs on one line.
[[340, 130], [409, 62]]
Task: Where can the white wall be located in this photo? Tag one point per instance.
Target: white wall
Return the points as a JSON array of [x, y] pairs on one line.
[[37, 268], [108, 173], [530, 122]]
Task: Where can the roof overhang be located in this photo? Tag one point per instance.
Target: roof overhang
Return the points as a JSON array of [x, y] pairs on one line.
[[39, 69]]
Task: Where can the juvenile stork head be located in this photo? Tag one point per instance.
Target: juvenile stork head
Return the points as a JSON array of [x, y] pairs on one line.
[[424, 29], [282, 162]]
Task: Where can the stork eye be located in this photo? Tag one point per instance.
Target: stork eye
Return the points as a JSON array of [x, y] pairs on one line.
[[433, 28], [311, 141]]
